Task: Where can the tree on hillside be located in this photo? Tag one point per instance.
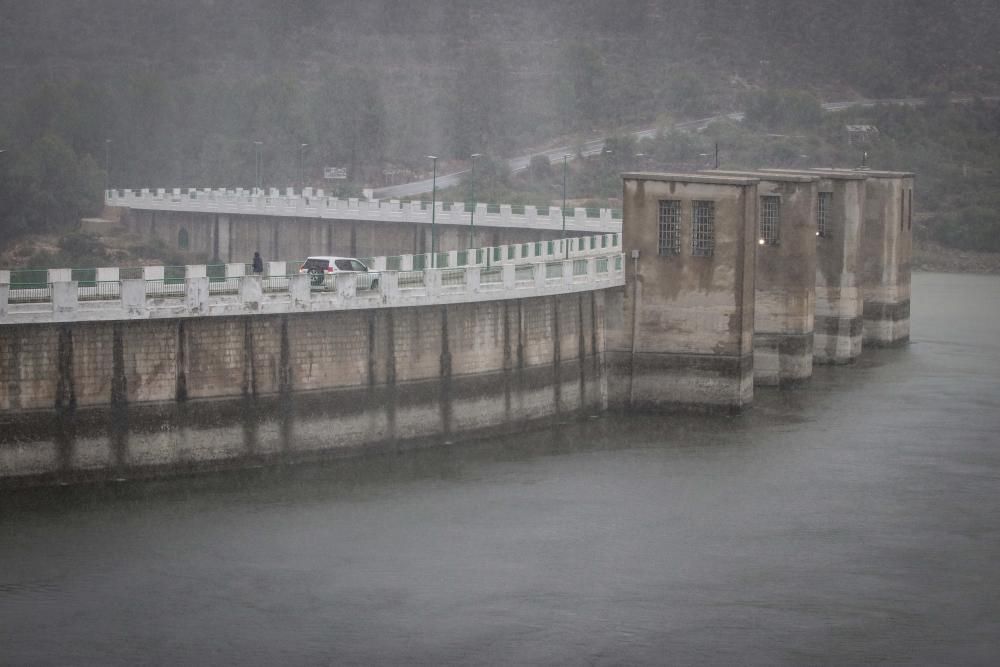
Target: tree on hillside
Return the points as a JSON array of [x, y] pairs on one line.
[[47, 187]]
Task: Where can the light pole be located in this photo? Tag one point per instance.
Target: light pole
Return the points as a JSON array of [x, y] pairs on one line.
[[434, 161], [302, 148], [565, 244], [107, 166], [257, 145], [472, 213]]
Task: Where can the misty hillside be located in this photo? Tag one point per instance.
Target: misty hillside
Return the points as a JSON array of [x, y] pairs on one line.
[[194, 82], [207, 93]]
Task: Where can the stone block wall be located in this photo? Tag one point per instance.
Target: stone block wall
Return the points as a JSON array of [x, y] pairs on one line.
[[126, 398]]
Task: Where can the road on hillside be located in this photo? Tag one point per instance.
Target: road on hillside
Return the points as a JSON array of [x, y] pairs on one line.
[[595, 146]]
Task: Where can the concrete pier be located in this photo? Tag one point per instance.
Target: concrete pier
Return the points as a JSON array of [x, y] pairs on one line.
[[785, 267], [886, 252], [685, 335], [839, 214]]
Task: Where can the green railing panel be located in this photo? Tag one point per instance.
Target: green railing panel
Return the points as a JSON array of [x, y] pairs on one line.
[[84, 277], [173, 275]]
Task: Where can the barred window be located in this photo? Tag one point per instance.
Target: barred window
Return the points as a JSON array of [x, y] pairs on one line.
[[770, 219], [703, 228], [823, 214], [670, 227]]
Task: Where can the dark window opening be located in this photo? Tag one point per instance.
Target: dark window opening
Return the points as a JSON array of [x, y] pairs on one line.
[[770, 220], [670, 227], [703, 229], [823, 214]]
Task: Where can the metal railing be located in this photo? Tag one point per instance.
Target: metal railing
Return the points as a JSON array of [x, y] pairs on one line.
[[317, 203], [25, 286]]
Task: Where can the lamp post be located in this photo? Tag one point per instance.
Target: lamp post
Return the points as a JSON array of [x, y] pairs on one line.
[[434, 161], [565, 244], [472, 213], [302, 148], [107, 166], [256, 183]]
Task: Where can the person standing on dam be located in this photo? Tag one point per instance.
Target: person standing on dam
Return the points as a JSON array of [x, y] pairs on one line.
[[258, 262]]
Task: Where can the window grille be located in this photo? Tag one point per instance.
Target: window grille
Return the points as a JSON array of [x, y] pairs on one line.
[[670, 227], [823, 214], [770, 218], [703, 229]]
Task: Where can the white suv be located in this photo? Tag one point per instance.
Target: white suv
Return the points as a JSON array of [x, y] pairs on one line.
[[322, 266]]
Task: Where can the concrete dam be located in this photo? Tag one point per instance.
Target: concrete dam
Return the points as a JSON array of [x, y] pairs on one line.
[[716, 282]]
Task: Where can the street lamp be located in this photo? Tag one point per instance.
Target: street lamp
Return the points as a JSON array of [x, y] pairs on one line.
[[107, 166], [257, 145], [302, 148], [472, 213], [565, 245], [434, 161]]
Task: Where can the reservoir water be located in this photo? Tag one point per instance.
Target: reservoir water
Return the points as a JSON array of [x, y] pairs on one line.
[[854, 520]]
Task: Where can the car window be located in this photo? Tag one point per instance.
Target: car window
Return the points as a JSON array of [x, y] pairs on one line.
[[343, 264], [313, 264], [358, 266]]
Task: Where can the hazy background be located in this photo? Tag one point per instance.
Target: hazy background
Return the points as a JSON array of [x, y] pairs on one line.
[[137, 93]]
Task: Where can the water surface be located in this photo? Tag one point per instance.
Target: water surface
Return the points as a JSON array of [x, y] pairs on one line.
[[855, 520]]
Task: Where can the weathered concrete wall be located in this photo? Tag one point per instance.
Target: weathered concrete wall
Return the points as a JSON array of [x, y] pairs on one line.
[[838, 321], [785, 269], [886, 254], [235, 238], [685, 334], [104, 399]]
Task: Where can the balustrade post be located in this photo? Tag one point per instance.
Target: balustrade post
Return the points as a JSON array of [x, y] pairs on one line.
[[508, 271], [251, 291], [133, 294], [346, 285], [538, 272], [591, 269], [406, 262], [300, 290], [4, 298], [567, 272], [432, 281], [196, 293], [472, 276], [65, 296], [388, 284]]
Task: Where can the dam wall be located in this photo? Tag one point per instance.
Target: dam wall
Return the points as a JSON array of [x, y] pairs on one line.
[[103, 400]]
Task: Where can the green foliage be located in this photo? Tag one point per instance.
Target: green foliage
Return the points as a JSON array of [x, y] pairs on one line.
[[969, 228], [540, 168], [46, 187], [782, 109]]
